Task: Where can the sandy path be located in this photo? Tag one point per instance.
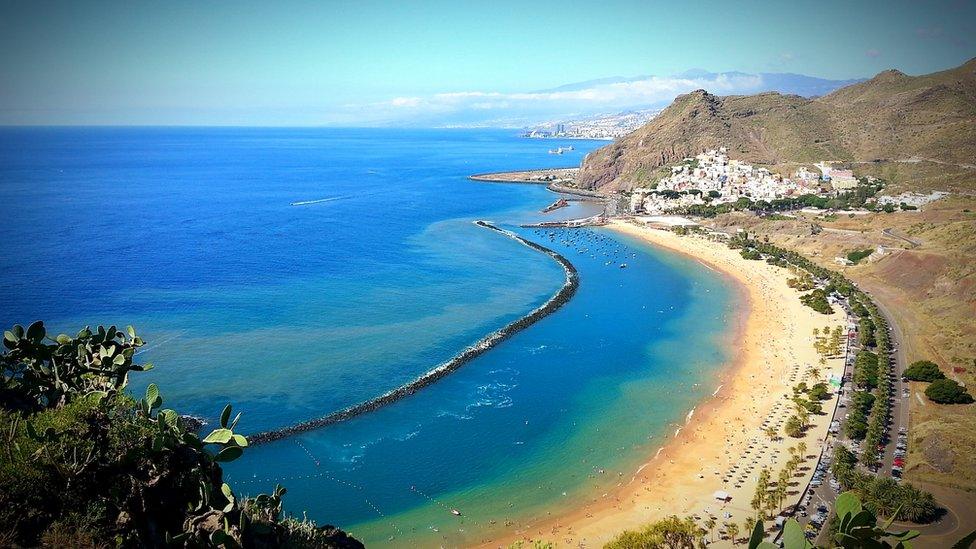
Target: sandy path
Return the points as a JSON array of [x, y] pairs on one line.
[[773, 352]]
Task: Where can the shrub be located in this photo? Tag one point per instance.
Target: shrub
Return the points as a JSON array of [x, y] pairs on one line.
[[817, 300], [85, 464], [947, 391], [751, 254], [923, 370], [858, 255]]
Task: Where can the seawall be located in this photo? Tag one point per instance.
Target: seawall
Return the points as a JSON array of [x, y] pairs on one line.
[[558, 299]]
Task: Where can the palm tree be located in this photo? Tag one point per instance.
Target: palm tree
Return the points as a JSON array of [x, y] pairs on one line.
[[733, 530], [781, 494], [710, 525], [801, 449], [750, 525]]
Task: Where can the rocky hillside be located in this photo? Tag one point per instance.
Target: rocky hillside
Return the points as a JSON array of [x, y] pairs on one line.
[[890, 117]]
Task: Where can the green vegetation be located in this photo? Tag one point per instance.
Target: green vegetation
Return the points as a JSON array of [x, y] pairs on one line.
[[856, 528], [856, 426], [865, 330], [882, 495], [794, 427], [819, 392], [866, 369], [817, 300], [857, 255], [802, 282], [948, 391], [85, 464], [828, 342], [671, 532], [923, 370], [855, 198], [751, 254]]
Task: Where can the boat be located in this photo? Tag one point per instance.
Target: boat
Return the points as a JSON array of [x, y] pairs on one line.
[[455, 512], [623, 265], [569, 148], [556, 151]]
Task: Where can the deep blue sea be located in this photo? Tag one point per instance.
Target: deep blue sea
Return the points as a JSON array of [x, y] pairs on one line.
[[295, 272]]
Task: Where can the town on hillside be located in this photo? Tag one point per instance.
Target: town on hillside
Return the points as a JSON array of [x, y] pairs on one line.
[[713, 182]]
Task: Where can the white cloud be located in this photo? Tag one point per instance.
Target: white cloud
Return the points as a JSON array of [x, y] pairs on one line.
[[406, 102], [621, 95]]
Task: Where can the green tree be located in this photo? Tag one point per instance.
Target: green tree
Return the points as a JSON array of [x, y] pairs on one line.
[[794, 427], [923, 370], [733, 531], [819, 392], [710, 527], [948, 391]]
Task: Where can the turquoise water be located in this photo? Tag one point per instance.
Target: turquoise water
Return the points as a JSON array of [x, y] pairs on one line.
[[294, 311]]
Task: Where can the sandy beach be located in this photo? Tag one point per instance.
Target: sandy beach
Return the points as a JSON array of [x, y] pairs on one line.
[[723, 445]]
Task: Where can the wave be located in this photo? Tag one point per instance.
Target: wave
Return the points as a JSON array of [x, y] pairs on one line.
[[560, 298], [318, 201]]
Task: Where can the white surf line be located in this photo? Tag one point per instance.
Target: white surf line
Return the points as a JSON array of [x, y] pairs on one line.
[[159, 343], [317, 201], [719, 388], [706, 265]]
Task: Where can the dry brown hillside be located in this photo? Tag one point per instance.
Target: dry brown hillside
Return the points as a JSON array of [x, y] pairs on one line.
[[892, 117]]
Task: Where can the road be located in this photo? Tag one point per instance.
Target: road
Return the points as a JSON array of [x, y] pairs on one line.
[[900, 404], [890, 233]]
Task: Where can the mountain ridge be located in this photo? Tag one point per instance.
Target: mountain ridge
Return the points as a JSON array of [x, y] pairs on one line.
[[890, 116], [786, 82]]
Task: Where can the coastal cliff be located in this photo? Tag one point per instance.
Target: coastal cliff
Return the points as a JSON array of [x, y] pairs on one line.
[[889, 117]]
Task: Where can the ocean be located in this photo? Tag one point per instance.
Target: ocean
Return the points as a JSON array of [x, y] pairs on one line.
[[296, 272]]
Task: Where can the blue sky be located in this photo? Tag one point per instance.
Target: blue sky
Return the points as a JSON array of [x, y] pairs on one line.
[[350, 63]]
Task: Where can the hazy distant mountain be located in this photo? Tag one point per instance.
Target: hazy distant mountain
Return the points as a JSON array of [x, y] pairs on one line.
[[786, 83], [479, 108], [891, 116]]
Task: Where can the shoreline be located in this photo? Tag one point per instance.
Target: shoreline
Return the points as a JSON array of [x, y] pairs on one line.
[[483, 345], [691, 464]]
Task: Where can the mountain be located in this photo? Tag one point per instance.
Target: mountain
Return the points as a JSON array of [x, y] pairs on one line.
[[891, 116], [798, 84]]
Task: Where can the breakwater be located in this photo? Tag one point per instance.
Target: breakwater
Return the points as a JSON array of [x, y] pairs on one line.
[[558, 299]]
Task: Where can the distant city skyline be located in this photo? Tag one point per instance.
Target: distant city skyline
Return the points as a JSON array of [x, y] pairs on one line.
[[436, 63]]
